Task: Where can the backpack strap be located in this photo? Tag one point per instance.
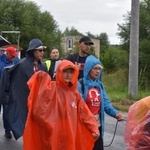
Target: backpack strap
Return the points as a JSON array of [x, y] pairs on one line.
[[82, 84], [48, 64]]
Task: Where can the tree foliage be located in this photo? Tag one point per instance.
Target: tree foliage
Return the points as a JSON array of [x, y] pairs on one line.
[[144, 38], [104, 43], [71, 32], [26, 17], [114, 59]]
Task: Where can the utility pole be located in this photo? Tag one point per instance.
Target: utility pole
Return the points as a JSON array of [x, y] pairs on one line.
[[134, 50]]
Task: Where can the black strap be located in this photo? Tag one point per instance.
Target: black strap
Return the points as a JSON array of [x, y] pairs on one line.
[[82, 84]]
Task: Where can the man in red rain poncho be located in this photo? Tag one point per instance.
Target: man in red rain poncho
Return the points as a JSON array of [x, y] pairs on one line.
[[58, 118], [137, 130]]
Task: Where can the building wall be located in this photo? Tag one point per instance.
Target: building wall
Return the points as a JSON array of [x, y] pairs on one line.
[[68, 43]]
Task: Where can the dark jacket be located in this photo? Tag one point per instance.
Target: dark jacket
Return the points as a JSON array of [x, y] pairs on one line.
[[18, 93], [76, 58], [4, 63], [4, 85]]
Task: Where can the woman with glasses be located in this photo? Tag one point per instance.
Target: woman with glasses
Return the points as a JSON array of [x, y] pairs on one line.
[[95, 96]]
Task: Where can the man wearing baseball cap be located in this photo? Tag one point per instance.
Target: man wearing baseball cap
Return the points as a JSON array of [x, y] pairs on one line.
[[11, 51], [79, 58], [11, 54], [7, 59]]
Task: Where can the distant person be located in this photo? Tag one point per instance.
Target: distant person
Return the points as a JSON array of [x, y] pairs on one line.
[[95, 96], [52, 62], [80, 57], [18, 91], [8, 59], [137, 129], [58, 118]]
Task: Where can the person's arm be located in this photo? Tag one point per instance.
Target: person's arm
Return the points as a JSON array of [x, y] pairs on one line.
[[87, 118], [38, 99], [109, 109]]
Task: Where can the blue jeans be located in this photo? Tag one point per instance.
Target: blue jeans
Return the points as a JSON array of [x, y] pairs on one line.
[[6, 124]]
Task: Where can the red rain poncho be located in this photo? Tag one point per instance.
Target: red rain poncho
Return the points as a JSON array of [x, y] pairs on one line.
[[58, 118], [137, 130]]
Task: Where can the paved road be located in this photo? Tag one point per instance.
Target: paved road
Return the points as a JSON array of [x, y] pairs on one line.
[[118, 144]]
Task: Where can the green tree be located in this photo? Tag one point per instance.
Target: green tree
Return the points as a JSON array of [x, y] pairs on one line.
[[104, 43], [71, 32], [114, 59], [124, 32], [27, 17], [144, 38], [91, 35]]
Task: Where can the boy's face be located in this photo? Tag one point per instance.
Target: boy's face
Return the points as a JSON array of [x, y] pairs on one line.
[[68, 74]]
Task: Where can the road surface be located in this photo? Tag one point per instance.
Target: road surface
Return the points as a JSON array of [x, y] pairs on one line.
[[118, 143]]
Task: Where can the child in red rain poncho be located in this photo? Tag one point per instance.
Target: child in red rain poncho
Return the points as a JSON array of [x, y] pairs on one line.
[[137, 130], [58, 118]]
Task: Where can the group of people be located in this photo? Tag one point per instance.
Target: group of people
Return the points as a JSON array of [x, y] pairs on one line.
[[62, 101]]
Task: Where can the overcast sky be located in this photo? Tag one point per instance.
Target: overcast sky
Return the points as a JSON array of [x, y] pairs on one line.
[[94, 16]]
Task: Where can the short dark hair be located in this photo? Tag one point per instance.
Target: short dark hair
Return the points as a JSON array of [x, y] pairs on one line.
[[86, 40]]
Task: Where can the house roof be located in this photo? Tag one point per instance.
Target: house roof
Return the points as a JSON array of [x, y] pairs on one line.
[[14, 45]]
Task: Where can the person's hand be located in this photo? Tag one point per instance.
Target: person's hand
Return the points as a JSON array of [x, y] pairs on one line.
[[95, 135], [119, 117], [78, 65]]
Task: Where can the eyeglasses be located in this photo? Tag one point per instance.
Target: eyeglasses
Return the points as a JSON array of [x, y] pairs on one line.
[[96, 69], [40, 50]]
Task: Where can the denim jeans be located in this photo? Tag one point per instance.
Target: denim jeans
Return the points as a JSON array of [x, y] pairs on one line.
[[6, 124]]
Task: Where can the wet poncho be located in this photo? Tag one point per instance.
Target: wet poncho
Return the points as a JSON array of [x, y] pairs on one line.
[[58, 118]]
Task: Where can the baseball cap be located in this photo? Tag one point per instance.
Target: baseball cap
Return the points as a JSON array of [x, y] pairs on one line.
[[86, 39], [12, 51]]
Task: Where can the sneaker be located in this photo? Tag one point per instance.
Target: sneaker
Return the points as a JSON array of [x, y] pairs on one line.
[[8, 135]]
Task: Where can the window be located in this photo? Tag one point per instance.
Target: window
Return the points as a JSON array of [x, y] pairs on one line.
[[69, 44]]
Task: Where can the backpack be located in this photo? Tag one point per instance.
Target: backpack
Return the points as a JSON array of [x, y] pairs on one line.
[[5, 82], [82, 84]]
